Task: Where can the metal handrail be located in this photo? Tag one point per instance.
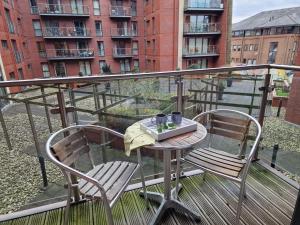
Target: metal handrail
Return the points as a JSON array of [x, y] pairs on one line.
[[181, 73], [116, 10], [217, 4], [125, 32], [211, 49], [67, 53], [63, 9]]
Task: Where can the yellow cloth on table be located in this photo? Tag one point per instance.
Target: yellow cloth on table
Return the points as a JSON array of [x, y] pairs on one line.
[[134, 138]]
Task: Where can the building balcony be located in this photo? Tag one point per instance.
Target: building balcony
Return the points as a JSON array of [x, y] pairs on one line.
[[123, 53], [63, 10], [202, 29], [122, 33], [203, 5], [70, 54], [196, 52], [120, 12], [66, 33]]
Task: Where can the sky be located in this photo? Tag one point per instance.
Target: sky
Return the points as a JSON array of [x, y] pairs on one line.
[[246, 8]]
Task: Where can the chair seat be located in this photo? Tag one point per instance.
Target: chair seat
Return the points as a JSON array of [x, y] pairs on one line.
[[114, 177], [213, 160]]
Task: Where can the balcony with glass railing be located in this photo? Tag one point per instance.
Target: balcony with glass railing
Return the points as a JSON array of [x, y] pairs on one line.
[[208, 51], [203, 5], [70, 54], [123, 52], [120, 12], [204, 29], [63, 10], [66, 33], [122, 33]]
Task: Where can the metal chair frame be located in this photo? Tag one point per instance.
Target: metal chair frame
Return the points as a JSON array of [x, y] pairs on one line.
[[67, 171], [241, 179]]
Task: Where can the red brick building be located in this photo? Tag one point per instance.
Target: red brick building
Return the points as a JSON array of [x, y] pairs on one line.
[[71, 37]]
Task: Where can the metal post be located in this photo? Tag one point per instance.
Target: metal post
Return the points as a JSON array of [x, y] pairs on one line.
[[96, 99], [263, 105], [73, 103], [274, 155], [4, 128], [37, 146], [46, 110], [65, 123], [179, 94], [279, 108]]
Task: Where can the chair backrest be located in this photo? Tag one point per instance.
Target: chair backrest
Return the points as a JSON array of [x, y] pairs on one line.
[[68, 149], [231, 124]]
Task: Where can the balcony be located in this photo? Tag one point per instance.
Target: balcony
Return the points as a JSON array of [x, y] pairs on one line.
[[120, 12], [122, 33], [195, 52], [25, 127], [69, 54], [201, 29], [66, 33], [122, 53], [63, 10], [203, 6]]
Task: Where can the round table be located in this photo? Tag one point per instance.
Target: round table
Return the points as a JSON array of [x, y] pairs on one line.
[[169, 198]]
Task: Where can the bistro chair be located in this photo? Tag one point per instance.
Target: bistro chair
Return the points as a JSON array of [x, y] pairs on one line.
[[223, 126], [106, 181]]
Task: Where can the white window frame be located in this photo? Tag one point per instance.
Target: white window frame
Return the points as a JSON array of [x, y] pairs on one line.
[[96, 6]]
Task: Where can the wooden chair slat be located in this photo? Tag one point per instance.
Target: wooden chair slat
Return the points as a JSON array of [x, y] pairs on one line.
[[208, 166], [91, 173], [75, 155], [220, 154], [226, 133], [219, 158], [63, 143], [228, 126], [116, 175], [227, 119]]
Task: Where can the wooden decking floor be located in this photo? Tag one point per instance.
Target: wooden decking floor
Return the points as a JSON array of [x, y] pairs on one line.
[[270, 201]]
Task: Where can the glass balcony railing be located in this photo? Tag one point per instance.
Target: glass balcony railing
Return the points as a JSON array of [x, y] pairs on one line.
[[122, 52], [204, 28], [203, 4], [117, 101], [120, 11], [210, 50], [66, 32], [122, 33], [63, 10], [62, 54]]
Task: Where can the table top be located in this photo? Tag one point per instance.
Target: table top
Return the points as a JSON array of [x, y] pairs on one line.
[[182, 141]]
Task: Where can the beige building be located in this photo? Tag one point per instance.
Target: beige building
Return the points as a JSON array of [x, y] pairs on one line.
[[267, 37]]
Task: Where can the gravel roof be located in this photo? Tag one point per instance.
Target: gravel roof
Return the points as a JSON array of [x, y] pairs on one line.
[[279, 17]]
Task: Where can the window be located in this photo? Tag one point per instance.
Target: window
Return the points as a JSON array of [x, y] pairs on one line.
[[85, 68], [153, 46], [98, 26], [12, 76], [255, 47], [101, 64], [96, 5], [251, 47], [272, 52], [234, 48], [125, 65], [45, 69], [249, 62], [254, 61], [60, 69], [246, 47], [33, 6], [136, 65], [16, 51], [134, 27], [133, 7], [135, 48], [20, 74], [244, 61], [100, 48], [9, 22], [29, 66], [4, 44], [41, 49], [238, 48], [258, 32], [37, 28], [198, 45], [153, 25], [197, 63]]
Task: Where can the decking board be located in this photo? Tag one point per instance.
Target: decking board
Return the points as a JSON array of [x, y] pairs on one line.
[[270, 201]]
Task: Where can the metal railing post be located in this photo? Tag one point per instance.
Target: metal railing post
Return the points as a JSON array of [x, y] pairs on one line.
[[65, 123], [73, 103], [179, 83], [264, 102], [96, 99], [37, 145], [5, 132], [46, 109]]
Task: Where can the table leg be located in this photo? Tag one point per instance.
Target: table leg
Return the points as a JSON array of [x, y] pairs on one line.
[[169, 198]]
